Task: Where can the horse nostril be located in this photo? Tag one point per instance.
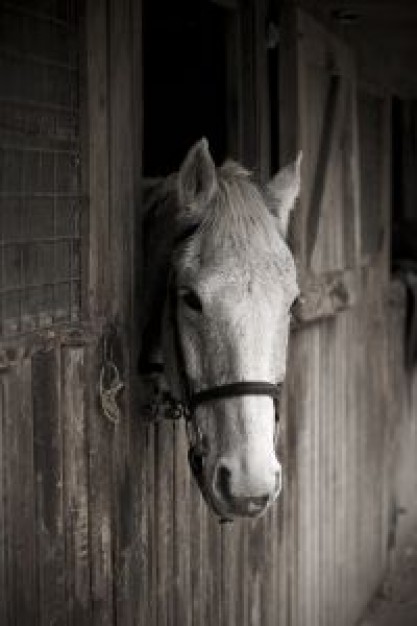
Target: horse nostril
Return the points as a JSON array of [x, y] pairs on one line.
[[223, 481]]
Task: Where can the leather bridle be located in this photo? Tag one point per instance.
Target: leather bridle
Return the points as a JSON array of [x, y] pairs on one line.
[[230, 390], [192, 399]]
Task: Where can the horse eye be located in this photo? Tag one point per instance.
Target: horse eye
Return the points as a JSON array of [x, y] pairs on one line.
[[191, 299]]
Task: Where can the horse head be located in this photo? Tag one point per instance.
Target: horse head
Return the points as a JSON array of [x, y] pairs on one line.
[[219, 284]]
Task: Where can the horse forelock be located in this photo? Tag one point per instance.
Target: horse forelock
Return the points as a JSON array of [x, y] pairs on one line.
[[238, 210], [237, 221], [238, 218], [239, 207]]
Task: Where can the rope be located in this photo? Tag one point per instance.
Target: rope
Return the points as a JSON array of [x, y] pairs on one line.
[[110, 384], [108, 392]]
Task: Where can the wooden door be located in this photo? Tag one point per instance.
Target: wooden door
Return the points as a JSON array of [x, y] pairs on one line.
[[319, 116], [337, 426], [43, 366], [69, 161]]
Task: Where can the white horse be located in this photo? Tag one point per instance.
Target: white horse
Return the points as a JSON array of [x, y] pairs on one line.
[[219, 284]]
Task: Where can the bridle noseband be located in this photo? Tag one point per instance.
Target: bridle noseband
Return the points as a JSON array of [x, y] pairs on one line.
[[192, 399], [231, 390]]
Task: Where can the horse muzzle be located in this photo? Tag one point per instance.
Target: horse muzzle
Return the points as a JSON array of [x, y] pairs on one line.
[[245, 494], [232, 493]]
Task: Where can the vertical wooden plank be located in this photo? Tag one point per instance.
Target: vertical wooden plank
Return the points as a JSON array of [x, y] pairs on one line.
[[214, 564], [304, 461], [269, 573], [77, 528], [288, 84], [268, 570], [230, 599], [205, 566], [318, 474], [9, 514], [3, 527], [386, 193], [284, 498], [20, 501], [196, 505], [290, 130], [333, 416], [248, 96], [10, 453], [140, 585], [324, 529], [48, 450], [97, 174], [327, 521], [245, 575], [121, 218], [25, 513], [358, 418], [296, 389], [233, 86], [100, 480], [314, 486], [261, 90], [352, 198], [152, 536], [371, 408], [360, 433], [351, 410], [254, 569], [341, 508], [164, 489], [182, 530], [124, 131], [271, 547], [140, 432]]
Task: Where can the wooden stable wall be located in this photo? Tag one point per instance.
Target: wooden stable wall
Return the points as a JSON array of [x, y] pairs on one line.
[[339, 419], [404, 402], [100, 523]]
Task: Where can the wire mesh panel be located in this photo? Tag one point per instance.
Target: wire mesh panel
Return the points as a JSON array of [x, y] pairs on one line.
[[40, 201]]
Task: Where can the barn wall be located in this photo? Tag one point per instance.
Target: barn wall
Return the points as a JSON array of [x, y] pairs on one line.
[[346, 469], [338, 382], [102, 523], [340, 393], [404, 407]]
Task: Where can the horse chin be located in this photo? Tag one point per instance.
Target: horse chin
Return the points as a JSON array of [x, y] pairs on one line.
[[234, 509], [249, 511]]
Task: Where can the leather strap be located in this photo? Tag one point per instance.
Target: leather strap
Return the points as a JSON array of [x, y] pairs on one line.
[[231, 390]]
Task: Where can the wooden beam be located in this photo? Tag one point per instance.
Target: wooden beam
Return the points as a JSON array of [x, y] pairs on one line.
[[49, 472], [330, 132], [97, 162], [289, 111], [325, 295]]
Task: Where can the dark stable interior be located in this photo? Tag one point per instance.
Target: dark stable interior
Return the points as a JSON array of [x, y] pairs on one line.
[[184, 81]]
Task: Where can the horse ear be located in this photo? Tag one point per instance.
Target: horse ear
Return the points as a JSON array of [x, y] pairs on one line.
[[197, 180], [284, 188]]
